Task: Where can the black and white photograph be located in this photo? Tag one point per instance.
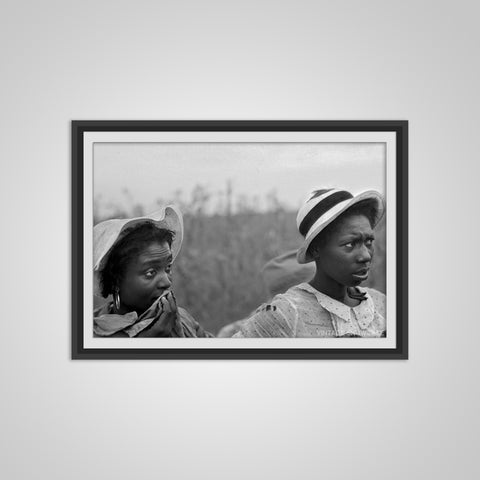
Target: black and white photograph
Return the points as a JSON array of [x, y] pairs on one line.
[[241, 239]]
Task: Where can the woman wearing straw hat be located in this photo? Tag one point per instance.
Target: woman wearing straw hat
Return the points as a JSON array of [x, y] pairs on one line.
[[133, 262], [338, 236]]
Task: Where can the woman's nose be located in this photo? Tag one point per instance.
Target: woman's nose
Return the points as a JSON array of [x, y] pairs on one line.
[[164, 281], [364, 255]]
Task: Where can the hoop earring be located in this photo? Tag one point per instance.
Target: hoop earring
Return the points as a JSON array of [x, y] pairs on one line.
[[116, 300]]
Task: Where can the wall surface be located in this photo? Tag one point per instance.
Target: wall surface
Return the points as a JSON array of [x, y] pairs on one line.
[[64, 60]]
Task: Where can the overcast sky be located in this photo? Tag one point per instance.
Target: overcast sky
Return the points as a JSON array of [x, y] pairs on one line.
[[156, 170]]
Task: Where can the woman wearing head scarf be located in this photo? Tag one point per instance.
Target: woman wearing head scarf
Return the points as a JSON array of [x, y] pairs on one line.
[[338, 231], [133, 261]]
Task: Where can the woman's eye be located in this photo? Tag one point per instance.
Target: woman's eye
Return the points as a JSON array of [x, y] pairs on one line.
[[348, 245], [150, 273], [369, 242], [168, 268]]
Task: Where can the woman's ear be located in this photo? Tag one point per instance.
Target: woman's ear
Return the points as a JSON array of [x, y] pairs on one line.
[[316, 247], [313, 250]]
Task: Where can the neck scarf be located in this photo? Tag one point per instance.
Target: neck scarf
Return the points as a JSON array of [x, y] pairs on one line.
[[106, 323]]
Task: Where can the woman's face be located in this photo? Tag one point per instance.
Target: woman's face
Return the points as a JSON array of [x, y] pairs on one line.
[[347, 253], [146, 277]]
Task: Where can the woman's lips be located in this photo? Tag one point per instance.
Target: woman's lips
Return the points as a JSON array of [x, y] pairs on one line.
[[361, 274]]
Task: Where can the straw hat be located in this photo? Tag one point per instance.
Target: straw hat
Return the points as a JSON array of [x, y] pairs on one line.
[[322, 207], [107, 234]]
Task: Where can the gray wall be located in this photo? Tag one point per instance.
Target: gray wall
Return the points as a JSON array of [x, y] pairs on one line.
[[248, 60]]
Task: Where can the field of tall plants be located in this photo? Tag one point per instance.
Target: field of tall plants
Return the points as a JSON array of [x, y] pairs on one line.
[[228, 238]]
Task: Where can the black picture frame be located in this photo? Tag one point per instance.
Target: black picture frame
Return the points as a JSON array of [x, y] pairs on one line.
[[397, 128]]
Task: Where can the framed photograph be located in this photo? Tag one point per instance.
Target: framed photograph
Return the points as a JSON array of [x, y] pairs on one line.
[[239, 240]]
